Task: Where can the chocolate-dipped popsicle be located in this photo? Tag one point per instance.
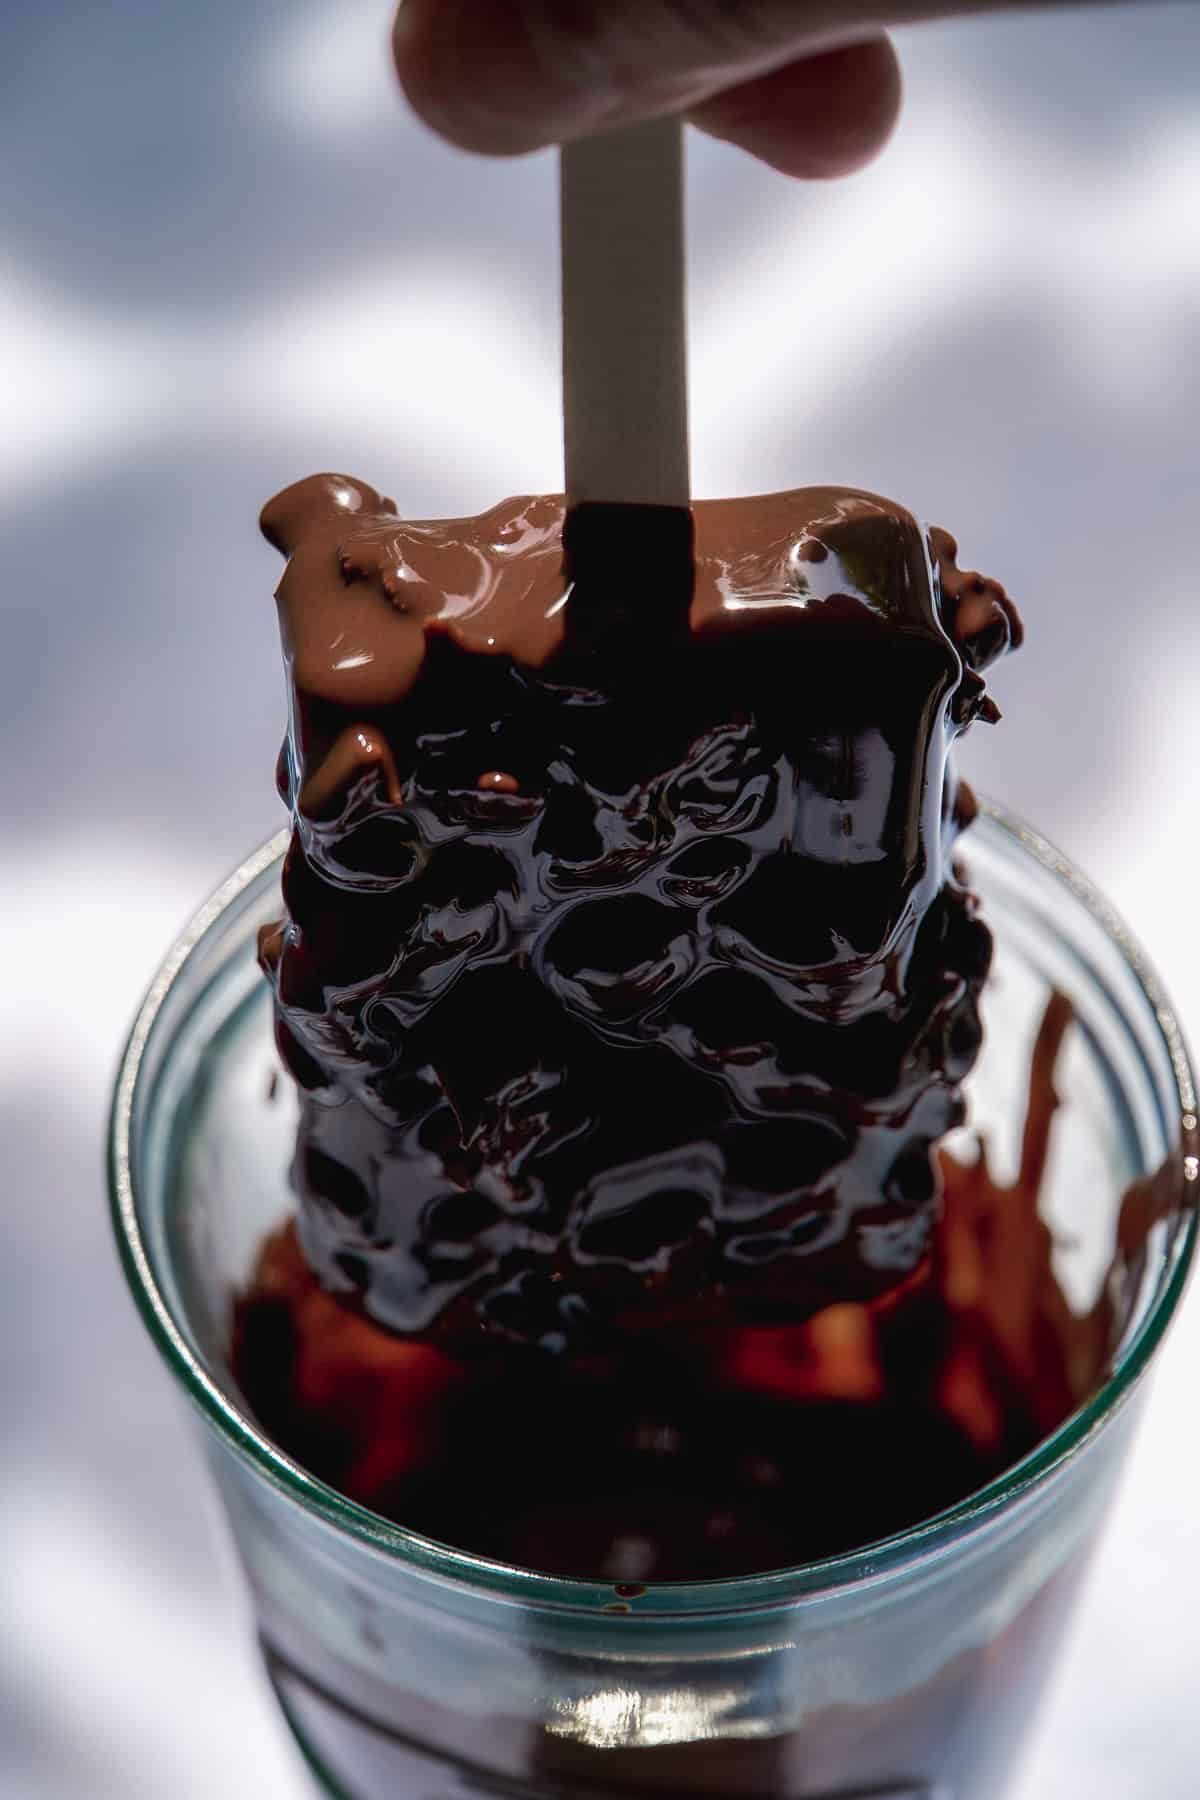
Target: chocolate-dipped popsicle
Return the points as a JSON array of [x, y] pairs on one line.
[[626, 978]]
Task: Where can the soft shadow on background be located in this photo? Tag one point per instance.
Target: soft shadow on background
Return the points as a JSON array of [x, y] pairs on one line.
[[227, 257]]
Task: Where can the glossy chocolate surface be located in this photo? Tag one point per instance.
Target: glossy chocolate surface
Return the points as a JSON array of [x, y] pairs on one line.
[[624, 972]]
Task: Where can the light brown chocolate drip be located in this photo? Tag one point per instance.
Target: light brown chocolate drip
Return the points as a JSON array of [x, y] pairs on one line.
[[995, 1253], [1011, 1329], [359, 747], [976, 608], [364, 590], [996, 1267], [270, 945], [813, 557]]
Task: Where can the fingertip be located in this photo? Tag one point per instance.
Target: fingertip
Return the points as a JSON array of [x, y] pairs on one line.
[[423, 43], [427, 51], [818, 117], [473, 71]]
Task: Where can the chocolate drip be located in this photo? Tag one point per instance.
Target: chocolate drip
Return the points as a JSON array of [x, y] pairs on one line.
[[360, 748], [648, 1002]]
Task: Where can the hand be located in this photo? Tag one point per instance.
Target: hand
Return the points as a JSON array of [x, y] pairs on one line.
[[810, 86]]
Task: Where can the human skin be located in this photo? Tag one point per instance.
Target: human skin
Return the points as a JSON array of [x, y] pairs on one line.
[[811, 87]]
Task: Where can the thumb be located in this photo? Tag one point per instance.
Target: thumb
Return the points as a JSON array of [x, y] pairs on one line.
[[808, 84]]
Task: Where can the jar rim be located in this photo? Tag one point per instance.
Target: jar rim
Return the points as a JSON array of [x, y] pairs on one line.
[[736, 1594]]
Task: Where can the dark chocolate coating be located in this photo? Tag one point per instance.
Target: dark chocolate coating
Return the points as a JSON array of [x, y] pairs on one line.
[[660, 1028]]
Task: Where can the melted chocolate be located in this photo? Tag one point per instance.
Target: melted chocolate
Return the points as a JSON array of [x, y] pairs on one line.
[[707, 1453], [624, 973], [365, 592]]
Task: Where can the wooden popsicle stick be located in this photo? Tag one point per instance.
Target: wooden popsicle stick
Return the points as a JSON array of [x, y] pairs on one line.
[[625, 416]]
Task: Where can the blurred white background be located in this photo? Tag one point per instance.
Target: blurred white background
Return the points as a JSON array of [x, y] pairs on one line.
[[227, 257]]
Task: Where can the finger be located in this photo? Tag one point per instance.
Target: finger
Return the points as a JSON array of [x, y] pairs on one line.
[[506, 76], [486, 75], [823, 115]]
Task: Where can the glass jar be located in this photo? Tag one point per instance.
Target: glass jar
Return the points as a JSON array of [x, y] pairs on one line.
[[908, 1668]]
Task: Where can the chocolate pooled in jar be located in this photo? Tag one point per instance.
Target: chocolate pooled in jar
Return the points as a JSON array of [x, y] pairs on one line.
[[624, 973], [719, 1452]]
